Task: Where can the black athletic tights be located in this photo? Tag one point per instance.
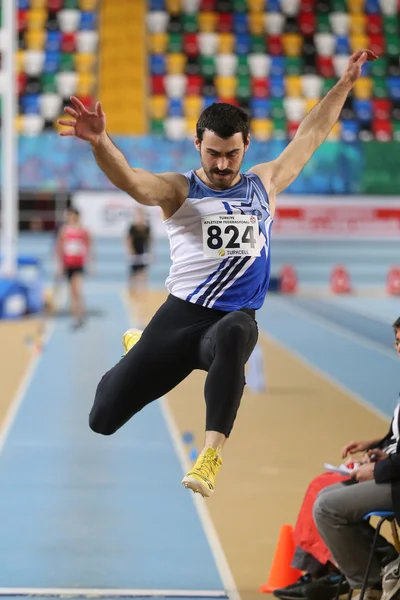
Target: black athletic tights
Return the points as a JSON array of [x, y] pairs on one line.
[[180, 337]]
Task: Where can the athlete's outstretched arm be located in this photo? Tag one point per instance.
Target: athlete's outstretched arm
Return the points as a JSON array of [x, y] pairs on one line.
[[280, 173], [147, 188]]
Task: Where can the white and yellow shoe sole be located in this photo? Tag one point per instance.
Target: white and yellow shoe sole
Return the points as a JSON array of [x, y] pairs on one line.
[[197, 487]]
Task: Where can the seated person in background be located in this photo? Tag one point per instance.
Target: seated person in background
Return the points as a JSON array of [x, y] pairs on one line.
[[313, 556], [339, 509]]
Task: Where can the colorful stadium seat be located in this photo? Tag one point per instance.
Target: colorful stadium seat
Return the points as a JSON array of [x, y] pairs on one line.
[[56, 58], [275, 59]]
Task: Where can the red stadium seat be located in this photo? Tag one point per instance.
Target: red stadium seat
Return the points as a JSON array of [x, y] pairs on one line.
[[382, 108], [307, 23], [260, 87], [191, 44], [194, 85], [382, 130], [292, 127], [68, 42], [225, 22], [377, 43], [22, 20], [207, 5], [274, 45], [374, 24], [157, 85], [325, 66]]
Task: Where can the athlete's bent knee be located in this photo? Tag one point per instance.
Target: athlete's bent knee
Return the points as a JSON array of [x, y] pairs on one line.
[[236, 331], [99, 418]]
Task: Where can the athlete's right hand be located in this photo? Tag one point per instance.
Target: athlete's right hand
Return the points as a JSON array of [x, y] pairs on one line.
[[353, 448], [86, 125]]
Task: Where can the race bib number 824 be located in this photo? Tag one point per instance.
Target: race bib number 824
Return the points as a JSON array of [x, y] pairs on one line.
[[230, 235]]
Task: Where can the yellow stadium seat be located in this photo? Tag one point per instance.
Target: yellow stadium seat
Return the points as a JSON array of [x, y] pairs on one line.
[[192, 107], [226, 43], [207, 21], [355, 6], [38, 3], [19, 60], [191, 127], [18, 123], [89, 5], [261, 129], [226, 86], [58, 127], [363, 88], [310, 103], [256, 23], [335, 133], [36, 18], [35, 39], [174, 6], [158, 107], [84, 63], [293, 86], [292, 44], [86, 83], [357, 23], [176, 63], [255, 5], [158, 43], [358, 42]]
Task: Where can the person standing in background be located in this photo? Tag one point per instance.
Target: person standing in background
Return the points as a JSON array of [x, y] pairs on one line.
[[138, 244], [73, 251]]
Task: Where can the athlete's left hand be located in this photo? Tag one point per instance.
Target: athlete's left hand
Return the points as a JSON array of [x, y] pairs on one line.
[[364, 472], [354, 66]]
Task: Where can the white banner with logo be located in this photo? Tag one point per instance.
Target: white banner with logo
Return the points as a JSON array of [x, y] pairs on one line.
[[109, 214]]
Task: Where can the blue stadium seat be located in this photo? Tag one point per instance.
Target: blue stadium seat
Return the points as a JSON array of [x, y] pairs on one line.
[[243, 43], [363, 110], [208, 100], [88, 21], [53, 42], [393, 84], [371, 7], [349, 131], [277, 66], [273, 6], [52, 61], [260, 108], [23, 4], [156, 4], [157, 64], [342, 45], [30, 104], [240, 23], [277, 87], [175, 107]]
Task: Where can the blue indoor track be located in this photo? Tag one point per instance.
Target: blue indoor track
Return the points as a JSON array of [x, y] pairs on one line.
[[87, 512]]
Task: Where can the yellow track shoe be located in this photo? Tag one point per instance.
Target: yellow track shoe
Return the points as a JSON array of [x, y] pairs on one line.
[[201, 479]]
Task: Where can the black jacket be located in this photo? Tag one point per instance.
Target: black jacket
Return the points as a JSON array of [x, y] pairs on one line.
[[388, 470]]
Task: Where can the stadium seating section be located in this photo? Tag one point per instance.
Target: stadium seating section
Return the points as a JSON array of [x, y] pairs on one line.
[[275, 59], [57, 57]]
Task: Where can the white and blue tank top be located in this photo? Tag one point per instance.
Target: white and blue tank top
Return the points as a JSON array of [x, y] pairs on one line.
[[220, 245]]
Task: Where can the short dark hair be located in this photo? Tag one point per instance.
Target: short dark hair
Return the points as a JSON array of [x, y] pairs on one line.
[[223, 119], [396, 324], [73, 210]]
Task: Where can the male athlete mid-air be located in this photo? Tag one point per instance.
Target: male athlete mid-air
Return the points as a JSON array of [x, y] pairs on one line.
[[218, 222]]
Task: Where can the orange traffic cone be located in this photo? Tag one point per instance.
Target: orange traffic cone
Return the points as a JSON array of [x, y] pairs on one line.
[[281, 573], [340, 280], [287, 280], [393, 281]]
